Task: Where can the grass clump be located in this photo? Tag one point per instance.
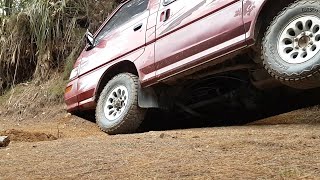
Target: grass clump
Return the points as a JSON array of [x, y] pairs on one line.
[[56, 90]]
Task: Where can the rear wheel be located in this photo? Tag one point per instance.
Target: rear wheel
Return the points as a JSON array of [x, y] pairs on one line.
[[291, 47], [117, 110]]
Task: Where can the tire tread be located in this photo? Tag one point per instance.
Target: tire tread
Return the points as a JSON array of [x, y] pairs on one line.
[[135, 115], [309, 78]]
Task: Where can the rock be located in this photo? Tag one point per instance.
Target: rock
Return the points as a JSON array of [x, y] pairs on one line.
[[68, 115], [162, 135], [4, 141]]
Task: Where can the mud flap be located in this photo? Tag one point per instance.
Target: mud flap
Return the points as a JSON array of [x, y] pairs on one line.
[[147, 98]]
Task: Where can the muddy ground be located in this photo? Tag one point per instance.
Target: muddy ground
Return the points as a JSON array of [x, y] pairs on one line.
[[56, 145]]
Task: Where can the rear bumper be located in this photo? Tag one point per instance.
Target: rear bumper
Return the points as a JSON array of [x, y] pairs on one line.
[[71, 96]]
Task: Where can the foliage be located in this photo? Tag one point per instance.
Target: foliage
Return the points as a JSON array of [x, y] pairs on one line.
[[39, 37], [8, 7]]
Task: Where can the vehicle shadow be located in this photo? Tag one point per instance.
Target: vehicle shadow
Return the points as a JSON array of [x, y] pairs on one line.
[[215, 116], [220, 115]]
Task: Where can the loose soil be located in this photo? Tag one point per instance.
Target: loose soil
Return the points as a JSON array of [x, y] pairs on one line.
[[22, 136], [57, 145]]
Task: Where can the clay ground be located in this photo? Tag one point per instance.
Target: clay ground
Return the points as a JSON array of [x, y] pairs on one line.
[[56, 145]]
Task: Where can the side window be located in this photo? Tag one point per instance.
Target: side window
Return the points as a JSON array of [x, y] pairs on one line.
[[127, 12], [166, 2]]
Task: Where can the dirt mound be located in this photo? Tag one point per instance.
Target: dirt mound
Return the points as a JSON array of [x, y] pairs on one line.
[[22, 136]]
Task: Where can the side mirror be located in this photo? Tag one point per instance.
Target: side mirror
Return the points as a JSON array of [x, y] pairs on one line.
[[90, 39]]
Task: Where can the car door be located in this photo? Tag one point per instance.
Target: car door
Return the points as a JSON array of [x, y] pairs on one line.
[[190, 33], [123, 34]]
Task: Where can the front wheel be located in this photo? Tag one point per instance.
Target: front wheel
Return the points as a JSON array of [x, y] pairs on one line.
[[291, 45], [117, 109]]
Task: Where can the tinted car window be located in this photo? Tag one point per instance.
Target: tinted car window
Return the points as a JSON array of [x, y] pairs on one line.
[[166, 2], [127, 12]]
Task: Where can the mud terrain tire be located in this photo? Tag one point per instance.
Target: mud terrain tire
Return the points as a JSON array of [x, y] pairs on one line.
[[117, 110], [291, 45]]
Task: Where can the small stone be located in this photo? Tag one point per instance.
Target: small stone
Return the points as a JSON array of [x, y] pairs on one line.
[[4, 141], [162, 135], [196, 137], [68, 115]]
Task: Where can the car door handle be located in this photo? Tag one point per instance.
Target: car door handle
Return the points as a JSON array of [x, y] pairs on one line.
[[165, 15], [137, 27]]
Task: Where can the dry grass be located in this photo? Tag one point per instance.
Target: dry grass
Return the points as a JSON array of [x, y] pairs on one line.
[[38, 36], [27, 99]]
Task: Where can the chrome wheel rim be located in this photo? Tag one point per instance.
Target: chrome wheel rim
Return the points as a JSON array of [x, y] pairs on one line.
[[300, 40], [116, 103]]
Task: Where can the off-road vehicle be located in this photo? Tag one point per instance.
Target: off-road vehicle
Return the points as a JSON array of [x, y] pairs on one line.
[[186, 53]]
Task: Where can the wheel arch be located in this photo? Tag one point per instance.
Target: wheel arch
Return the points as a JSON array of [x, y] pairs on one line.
[[265, 14], [120, 67], [146, 96]]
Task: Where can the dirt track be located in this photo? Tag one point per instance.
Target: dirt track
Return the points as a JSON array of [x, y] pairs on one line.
[[265, 151]]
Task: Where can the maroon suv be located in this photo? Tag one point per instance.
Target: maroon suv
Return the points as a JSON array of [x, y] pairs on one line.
[[162, 53]]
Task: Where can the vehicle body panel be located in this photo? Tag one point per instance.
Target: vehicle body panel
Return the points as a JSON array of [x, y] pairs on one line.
[[195, 16], [71, 97], [119, 45], [87, 84], [251, 12], [145, 64], [116, 45]]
